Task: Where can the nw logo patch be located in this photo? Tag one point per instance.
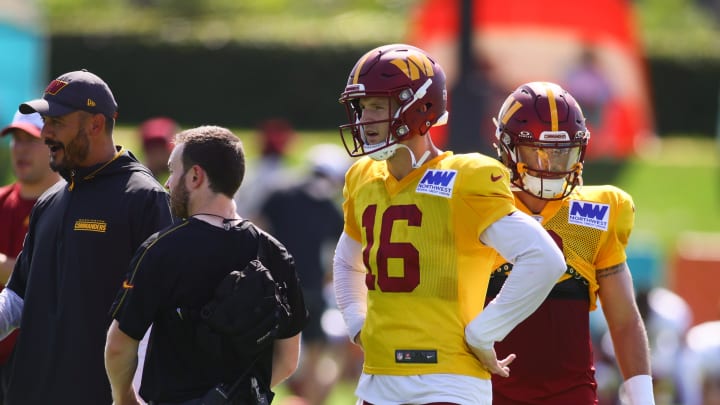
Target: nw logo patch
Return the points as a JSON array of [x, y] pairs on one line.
[[593, 215], [437, 182]]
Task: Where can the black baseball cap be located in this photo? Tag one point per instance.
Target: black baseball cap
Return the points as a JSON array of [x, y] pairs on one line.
[[79, 90]]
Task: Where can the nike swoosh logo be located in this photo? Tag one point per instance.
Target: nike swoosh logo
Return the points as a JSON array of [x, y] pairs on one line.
[[495, 178], [127, 285]]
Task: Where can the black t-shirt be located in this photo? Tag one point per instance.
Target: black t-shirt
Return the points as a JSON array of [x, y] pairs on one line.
[[180, 267]]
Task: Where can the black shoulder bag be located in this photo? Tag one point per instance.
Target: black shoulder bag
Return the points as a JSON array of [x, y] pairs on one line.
[[244, 314]]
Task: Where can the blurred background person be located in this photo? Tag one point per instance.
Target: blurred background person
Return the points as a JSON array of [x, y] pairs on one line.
[[700, 377], [31, 167], [157, 134], [587, 82], [275, 139], [667, 318], [306, 217]]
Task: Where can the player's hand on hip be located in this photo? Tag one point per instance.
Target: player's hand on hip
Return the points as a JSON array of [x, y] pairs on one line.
[[489, 360]]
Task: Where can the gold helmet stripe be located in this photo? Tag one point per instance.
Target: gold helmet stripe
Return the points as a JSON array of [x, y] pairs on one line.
[[359, 67], [553, 109], [510, 111]]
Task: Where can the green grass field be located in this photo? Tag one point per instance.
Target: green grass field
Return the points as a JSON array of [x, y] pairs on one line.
[[676, 189]]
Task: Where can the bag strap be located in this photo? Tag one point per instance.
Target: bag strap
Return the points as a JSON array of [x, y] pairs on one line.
[[233, 392], [262, 244], [261, 239]]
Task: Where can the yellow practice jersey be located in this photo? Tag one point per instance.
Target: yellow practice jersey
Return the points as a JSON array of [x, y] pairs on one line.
[[427, 271], [592, 227]]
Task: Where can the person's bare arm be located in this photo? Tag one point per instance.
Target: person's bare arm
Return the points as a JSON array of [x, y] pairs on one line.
[[120, 363], [286, 355], [627, 331], [624, 322]]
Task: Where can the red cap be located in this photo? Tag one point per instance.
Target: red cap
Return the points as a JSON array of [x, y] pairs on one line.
[[158, 130], [30, 123]]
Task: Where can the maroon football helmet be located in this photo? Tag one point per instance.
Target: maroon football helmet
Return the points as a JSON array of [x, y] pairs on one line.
[[542, 137], [405, 74]]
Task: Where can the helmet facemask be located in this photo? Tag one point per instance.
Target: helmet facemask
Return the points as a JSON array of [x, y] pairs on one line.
[[396, 131]]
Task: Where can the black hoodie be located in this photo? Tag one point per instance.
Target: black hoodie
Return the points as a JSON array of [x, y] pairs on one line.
[[83, 233]]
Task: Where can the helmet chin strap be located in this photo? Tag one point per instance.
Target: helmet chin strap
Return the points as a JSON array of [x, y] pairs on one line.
[[387, 153], [380, 152], [419, 162]]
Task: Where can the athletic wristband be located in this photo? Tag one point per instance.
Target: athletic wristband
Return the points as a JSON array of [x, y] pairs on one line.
[[639, 390]]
